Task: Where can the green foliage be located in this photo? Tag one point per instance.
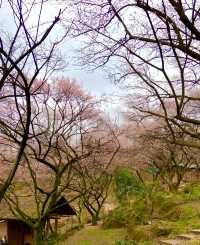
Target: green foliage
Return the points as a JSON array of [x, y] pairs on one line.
[[191, 192], [137, 213], [188, 212], [117, 218], [147, 243], [165, 228], [125, 242], [140, 212], [151, 205], [195, 242], [142, 190], [169, 208], [139, 233], [161, 230], [125, 183], [152, 170], [173, 213], [53, 238]]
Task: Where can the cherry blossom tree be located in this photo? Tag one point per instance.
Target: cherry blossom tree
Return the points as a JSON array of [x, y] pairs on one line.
[[152, 48], [27, 54]]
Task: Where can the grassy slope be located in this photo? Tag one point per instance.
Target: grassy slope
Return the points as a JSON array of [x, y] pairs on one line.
[[188, 217], [95, 235]]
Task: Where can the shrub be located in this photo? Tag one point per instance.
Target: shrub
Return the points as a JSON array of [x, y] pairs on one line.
[[170, 207], [188, 212], [139, 233], [174, 208], [126, 184], [125, 242], [140, 213], [53, 239], [191, 192], [116, 218], [166, 228], [161, 230], [136, 214], [147, 243]]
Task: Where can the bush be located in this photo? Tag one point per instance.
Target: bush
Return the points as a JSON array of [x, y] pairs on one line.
[[126, 183], [144, 210], [136, 214], [52, 239], [170, 228], [117, 218], [188, 212], [140, 213], [161, 230], [125, 242], [147, 243], [191, 192], [174, 208], [139, 233], [170, 207]]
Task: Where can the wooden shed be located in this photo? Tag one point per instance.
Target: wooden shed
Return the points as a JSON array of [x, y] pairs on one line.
[[61, 209], [17, 232]]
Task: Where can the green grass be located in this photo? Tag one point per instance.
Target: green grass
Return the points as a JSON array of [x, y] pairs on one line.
[[175, 213], [95, 235], [195, 242]]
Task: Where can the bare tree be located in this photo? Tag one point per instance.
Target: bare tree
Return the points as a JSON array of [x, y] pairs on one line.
[[94, 174], [153, 47], [150, 149], [26, 55], [93, 191], [169, 162], [62, 117]]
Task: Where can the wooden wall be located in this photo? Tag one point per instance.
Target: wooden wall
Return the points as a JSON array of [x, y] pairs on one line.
[[19, 233], [3, 229]]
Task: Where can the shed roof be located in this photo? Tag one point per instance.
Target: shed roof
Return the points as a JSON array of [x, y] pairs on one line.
[[62, 207]]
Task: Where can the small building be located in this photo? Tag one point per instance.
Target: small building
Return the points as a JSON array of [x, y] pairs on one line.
[[17, 232], [61, 209]]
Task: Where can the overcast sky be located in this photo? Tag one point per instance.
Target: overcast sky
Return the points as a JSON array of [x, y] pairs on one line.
[[94, 82]]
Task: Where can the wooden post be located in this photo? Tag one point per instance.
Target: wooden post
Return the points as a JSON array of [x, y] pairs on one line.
[[56, 225], [72, 221], [47, 226]]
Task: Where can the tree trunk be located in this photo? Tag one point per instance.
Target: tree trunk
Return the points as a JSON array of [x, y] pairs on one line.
[[95, 218], [39, 236], [39, 239], [173, 187]]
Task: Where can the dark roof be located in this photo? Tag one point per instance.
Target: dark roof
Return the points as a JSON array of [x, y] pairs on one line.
[[62, 207]]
